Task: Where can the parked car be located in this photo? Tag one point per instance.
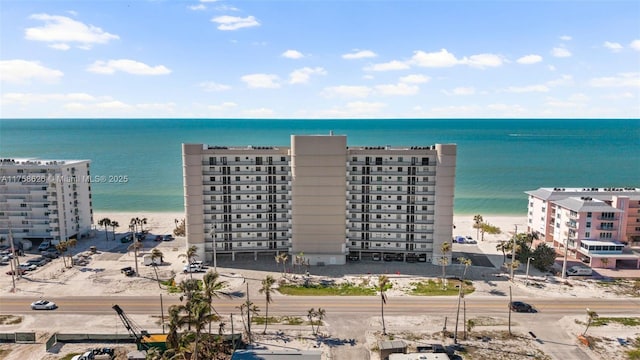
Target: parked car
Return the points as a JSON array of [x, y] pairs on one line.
[[375, 257], [28, 267], [51, 254], [192, 268], [519, 306], [43, 305], [411, 258], [353, 257], [127, 238], [388, 257], [469, 240], [158, 238], [39, 261], [18, 272], [45, 245], [579, 271], [422, 258], [86, 356], [128, 271], [167, 238]]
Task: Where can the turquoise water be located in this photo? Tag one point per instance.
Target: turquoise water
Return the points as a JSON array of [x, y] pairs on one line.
[[497, 159]]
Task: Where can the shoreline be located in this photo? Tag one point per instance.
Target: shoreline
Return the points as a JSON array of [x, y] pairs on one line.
[[159, 222]]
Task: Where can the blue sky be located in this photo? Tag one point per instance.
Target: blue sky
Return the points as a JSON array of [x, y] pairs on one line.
[[320, 59]]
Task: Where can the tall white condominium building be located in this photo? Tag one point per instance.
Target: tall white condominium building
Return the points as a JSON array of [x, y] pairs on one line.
[[320, 198], [597, 225], [45, 199]]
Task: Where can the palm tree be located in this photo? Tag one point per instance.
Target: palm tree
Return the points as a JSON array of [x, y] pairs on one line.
[[190, 289], [190, 254], [212, 288], [444, 260], [383, 281], [156, 254], [504, 246], [200, 316], [71, 243], [267, 289], [592, 315], [133, 225], [106, 222], [142, 222], [477, 224], [320, 314], [311, 314], [114, 225], [466, 262], [62, 248], [282, 258], [175, 321], [137, 245]]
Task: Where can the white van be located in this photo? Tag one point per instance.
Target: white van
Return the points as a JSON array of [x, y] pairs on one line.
[[579, 271]]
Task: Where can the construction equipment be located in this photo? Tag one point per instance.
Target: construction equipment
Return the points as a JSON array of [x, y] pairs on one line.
[[144, 340]]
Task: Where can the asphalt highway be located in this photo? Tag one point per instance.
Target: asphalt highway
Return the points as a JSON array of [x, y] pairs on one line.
[[347, 305]]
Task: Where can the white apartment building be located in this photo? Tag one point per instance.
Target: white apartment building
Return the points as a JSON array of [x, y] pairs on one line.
[[321, 198], [597, 224], [45, 200]]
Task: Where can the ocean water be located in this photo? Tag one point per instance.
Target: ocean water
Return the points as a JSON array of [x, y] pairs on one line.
[[497, 159]]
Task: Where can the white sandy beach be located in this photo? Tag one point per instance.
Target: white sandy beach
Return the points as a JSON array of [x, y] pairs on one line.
[[164, 223]]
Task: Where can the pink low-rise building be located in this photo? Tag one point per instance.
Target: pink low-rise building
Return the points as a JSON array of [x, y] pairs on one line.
[[599, 226]]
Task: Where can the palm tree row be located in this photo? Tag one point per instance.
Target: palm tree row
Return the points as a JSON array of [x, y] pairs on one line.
[[107, 223], [195, 314]]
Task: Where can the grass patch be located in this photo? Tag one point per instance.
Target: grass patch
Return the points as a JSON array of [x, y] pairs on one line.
[[626, 321], [435, 288], [326, 290], [10, 319], [286, 320]]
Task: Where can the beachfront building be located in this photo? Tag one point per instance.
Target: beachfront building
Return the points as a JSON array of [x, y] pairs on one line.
[[44, 200], [599, 226], [320, 198]]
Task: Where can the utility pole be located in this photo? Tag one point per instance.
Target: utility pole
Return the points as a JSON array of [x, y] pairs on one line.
[[564, 262], [14, 268], [513, 252], [510, 301], [215, 257]]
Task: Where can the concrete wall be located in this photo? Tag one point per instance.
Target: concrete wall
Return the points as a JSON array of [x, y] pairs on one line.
[[318, 189], [445, 188], [193, 196]]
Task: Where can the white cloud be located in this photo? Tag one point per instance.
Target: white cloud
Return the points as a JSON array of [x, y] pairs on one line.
[[224, 106], [347, 91], [460, 91], [526, 89], [443, 58], [210, 86], [292, 54], [31, 98], [388, 66], [415, 79], [564, 80], [560, 52], [621, 80], [624, 95], [613, 46], [255, 81], [23, 71], [635, 45], [128, 66], [261, 112], [529, 59], [301, 76], [359, 54], [565, 38], [401, 89], [198, 7], [482, 60], [61, 30], [227, 23], [61, 46]]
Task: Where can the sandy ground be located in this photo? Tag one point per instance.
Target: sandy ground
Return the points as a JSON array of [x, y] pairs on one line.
[[102, 275]]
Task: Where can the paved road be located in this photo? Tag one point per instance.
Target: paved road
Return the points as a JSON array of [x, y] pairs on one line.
[[365, 305]]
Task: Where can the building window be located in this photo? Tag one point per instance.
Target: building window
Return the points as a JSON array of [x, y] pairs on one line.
[[425, 161], [587, 235], [588, 224], [589, 214]]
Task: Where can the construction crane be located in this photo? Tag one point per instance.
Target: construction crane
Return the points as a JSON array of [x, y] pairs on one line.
[[133, 328]]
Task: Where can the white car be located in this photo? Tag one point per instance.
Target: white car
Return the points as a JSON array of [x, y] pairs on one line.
[[28, 267], [43, 305], [193, 268]]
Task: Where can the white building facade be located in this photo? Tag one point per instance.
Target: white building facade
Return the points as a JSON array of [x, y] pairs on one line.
[[45, 199], [321, 198]]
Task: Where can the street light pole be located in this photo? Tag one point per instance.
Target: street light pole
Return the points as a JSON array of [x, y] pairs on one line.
[[564, 262], [513, 252], [215, 257], [528, 260]]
